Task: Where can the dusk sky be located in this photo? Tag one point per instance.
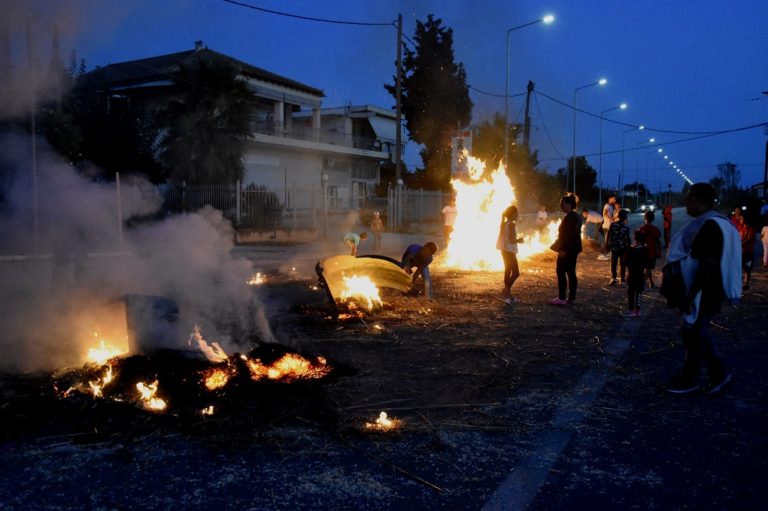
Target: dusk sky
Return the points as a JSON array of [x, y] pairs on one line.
[[685, 68]]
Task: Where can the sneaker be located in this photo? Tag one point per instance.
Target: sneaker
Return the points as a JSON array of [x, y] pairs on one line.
[[603, 257], [510, 300], [612, 282], [681, 385], [714, 388], [557, 301]]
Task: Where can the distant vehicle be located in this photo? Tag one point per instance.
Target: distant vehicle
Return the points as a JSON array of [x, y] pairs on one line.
[[648, 206]]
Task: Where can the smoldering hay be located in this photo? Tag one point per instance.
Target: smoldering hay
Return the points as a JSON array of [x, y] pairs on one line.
[[64, 288]]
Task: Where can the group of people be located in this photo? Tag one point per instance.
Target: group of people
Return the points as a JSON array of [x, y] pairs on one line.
[[706, 250]]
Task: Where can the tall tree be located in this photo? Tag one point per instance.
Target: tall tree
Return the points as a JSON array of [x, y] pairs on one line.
[[586, 179], [731, 175], [208, 125], [435, 97]]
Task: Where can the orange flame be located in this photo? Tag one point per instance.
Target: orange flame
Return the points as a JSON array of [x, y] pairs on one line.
[[360, 291], [101, 354], [147, 394], [384, 423], [289, 367], [97, 387], [480, 201], [217, 377]]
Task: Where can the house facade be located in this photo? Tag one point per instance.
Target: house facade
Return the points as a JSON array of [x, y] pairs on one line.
[[309, 156]]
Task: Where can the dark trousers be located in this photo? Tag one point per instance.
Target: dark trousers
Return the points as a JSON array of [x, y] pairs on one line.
[[566, 276], [634, 296], [667, 233], [511, 268], [700, 349], [621, 258]]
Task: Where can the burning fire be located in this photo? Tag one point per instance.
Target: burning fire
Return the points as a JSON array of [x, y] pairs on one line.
[[213, 352], [147, 394], [289, 367], [256, 279], [360, 291], [97, 387], [480, 201], [101, 354], [217, 377], [384, 423]]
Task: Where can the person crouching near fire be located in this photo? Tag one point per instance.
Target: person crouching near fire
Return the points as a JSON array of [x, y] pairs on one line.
[[352, 241], [416, 260], [507, 243]]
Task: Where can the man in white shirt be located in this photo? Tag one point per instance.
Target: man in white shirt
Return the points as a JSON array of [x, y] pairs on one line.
[[609, 212]]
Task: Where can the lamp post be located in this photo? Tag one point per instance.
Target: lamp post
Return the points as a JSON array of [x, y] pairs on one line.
[[601, 82], [637, 170], [648, 155], [546, 20], [623, 184], [622, 106]]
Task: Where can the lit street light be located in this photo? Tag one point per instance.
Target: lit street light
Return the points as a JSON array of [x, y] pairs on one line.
[[622, 106], [600, 82], [546, 20]]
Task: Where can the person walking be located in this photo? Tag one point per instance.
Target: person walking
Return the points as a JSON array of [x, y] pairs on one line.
[[416, 260], [592, 217], [747, 234], [618, 242], [568, 246], [449, 219], [352, 241], [609, 211], [377, 227], [652, 244], [707, 252], [666, 214], [507, 244], [637, 262]]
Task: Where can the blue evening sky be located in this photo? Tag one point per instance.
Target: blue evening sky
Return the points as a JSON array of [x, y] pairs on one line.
[[682, 66]]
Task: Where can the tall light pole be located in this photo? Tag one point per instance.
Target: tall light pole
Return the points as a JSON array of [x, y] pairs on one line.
[[622, 106], [637, 169], [648, 155], [601, 82], [546, 20], [623, 135]]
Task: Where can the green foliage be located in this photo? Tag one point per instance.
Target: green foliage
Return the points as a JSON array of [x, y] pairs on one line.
[[435, 98], [586, 181], [207, 125]]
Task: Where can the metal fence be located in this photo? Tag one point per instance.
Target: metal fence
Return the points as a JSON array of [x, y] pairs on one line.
[[254, 207], [414, 206]]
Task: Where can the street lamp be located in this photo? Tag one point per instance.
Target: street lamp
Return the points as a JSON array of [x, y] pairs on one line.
[[637, 170], [623, 135], [622, 106], [600, 82], [547, 19]]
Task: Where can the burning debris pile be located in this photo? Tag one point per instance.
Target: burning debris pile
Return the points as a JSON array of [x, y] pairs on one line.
[[184, 384]]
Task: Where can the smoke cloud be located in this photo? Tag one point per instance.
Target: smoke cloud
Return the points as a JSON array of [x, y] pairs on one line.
[[66, 279]]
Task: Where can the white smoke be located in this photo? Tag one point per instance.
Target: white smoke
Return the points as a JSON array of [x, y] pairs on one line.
[[67, 278]]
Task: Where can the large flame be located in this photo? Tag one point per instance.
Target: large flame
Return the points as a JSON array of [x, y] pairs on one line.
[[103, 352], [361, 291], [217, 377], [481, 199]]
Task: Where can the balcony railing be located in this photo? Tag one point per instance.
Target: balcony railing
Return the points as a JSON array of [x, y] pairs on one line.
[[325, 136]]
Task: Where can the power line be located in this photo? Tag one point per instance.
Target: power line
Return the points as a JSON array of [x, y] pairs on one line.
[[549, 137], [495, 95], [308, 18], [657, 130]]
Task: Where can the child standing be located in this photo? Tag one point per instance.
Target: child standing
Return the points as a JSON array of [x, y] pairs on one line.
[[637, 261], [507, 243], [652, 244], [617, 242], [377, 227]]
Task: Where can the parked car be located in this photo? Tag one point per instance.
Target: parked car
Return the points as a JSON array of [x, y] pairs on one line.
[[648, 205]]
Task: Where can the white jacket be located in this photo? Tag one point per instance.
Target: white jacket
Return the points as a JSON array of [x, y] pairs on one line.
[[730, 261]]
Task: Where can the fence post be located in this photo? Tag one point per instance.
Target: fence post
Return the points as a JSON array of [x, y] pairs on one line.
[[421, 205], [237, 201]]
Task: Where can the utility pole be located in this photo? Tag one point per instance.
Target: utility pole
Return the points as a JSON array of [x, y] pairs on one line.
[[527, 125], [398, 98]]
